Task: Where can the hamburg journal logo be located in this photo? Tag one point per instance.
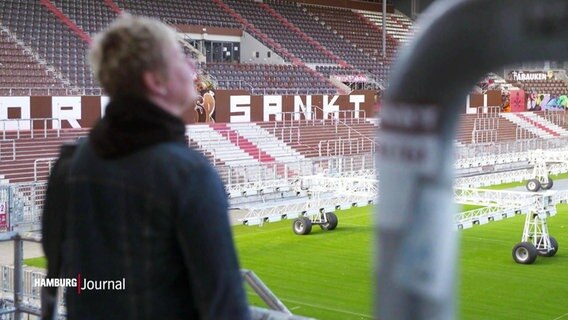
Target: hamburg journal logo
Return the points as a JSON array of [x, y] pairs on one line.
[[81, 284]]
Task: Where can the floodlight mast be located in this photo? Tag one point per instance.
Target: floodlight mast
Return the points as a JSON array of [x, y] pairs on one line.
[[458, 41]]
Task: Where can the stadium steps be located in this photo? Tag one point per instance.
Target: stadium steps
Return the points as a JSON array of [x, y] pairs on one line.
[[234, 164], [312, 134], [267, 142], [545, 124], [39, 152], [530, 125], [253, 149], [465, 127], [216, 162], [242, 142], [508, 132], [281, 152], [538, 124], [240, 165], [212, 141], [558, 117]]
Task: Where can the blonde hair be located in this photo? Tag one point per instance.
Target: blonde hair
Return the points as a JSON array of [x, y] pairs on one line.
[[129, 47]]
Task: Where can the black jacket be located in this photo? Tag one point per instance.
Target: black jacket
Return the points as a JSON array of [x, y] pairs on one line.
[[143, 210]]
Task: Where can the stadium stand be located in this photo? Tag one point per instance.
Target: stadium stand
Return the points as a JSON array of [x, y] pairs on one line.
[[56, 35], [43, 47], [330, 39], [24, 74], [90, 16], [326, 138], [267, 78], [350, 24], [481, 128], [399, 26], [54, 42], [28, 155], [555, 87], [281, 31], [204, 13], [312, 30]]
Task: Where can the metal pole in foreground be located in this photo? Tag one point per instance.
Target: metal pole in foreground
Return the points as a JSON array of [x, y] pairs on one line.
[[384, 31], [458, 42], [18, 275]]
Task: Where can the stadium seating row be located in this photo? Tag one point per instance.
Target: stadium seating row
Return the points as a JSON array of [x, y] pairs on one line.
[[35, 34]]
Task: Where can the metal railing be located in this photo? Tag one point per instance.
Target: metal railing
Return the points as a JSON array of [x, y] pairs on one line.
[[234, 175], [48, 164], [486, 123], [340, 147], [337, 121], [204, 22], [289, 91], [28, 125], [349, 116], [49, 91], [26, 296], [23, 203], [488, 111], [287, 134], [309, 116], [558, 117], [37, 91], [522, 133], [500, 148], [234, 85], [484, 135], [18, 306], [295, 118]]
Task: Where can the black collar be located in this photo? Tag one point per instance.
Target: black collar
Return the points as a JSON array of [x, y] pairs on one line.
[[131, 124]]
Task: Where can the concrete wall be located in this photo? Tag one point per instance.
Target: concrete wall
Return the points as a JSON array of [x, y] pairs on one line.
[[250, 45]]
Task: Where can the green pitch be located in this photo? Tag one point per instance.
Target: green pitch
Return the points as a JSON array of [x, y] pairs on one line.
[[325, 274], [328, 274]]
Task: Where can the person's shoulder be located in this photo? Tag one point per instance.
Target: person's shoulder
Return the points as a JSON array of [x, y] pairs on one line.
[[179, 163], [178, 153], [68, 148]]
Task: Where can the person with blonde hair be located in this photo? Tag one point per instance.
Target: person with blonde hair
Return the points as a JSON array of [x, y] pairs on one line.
[[134, 215]]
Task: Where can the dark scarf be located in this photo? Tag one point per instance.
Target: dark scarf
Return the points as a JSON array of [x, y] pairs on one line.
[[133, 124]]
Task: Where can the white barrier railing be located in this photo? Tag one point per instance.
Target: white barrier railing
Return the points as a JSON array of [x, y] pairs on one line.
[[20, 125]]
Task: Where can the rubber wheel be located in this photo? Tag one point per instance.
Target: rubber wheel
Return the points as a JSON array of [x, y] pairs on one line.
[[302, 225], [547, 186], [551, 253], [331, 223], [524, 253], [533, 185]]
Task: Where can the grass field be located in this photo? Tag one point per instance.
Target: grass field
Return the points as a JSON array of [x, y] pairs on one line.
[[38, 262], [328, 274]]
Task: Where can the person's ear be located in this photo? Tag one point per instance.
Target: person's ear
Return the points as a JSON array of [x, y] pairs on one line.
[[154, 83]]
